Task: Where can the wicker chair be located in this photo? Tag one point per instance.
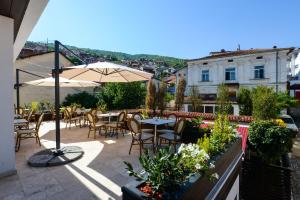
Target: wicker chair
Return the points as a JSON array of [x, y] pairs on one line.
[[29, 133], [69, 119], [114, 127], [95, 126], [172, 136], [138, 136]]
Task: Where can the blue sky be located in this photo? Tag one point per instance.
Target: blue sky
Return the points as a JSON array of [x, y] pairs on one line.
[[178, 28]]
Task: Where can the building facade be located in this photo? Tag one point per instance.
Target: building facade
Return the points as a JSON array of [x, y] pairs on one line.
[[17, 19], [241, 68]]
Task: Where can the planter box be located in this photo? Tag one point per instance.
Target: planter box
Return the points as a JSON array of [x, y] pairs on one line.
[[263, 181], [227, 166]]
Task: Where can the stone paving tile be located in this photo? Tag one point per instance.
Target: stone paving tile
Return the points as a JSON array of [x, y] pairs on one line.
[[99, 174]]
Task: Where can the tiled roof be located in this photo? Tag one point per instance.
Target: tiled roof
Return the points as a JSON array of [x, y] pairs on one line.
[[240, 52]]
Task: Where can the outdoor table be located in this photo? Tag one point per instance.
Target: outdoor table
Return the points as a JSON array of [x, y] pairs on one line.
[[109, 115], [156, 122]]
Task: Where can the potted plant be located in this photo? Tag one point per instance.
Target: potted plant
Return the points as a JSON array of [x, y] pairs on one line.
[[190, 173], [266, 172]]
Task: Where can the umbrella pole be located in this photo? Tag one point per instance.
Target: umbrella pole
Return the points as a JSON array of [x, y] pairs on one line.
[[57, 107], [56, 156], [18, 91]]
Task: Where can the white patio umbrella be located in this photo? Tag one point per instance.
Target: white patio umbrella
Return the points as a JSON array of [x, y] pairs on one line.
[[105, 72], [63, 82]]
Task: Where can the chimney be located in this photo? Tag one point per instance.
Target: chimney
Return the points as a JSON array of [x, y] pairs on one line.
[[223, 50]]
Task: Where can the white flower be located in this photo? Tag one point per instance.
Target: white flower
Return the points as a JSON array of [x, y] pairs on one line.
[[215, 175], [211, 166], [198, 166], [182, 146]]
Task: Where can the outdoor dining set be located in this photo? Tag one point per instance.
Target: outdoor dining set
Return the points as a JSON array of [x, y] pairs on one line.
[[155, 131]]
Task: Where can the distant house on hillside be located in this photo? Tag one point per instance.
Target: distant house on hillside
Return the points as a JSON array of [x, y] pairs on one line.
[[40, 63], [241, 68]]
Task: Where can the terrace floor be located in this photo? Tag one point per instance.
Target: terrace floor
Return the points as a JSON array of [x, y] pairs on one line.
[[99, 174]]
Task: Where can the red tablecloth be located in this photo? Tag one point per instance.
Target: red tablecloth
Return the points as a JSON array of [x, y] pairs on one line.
[[243, 131]]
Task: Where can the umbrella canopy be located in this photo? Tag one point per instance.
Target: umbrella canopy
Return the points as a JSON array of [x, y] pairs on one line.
[[105, 72], [63, 82]]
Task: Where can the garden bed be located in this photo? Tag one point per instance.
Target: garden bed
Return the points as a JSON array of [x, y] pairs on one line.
[[198, 186]]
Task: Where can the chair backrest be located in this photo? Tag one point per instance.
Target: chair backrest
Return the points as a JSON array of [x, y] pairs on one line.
[[94, 112], [135, 126], [137, 116], [121, 117], [91, 119], [179, 127], [67, 113], [69, 110], [74, 108], [29, 115], [172, 116], [39, 122]]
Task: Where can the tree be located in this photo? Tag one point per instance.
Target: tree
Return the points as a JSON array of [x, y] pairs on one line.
[[83, 98], [179, 100], [245, 101], [122, 95], [284, 100], [161, 94], [151, 96], [264, 101], [195, 99], [223, 101]]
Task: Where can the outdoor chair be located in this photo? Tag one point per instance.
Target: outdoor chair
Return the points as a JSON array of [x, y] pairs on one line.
[[28, 118], [139, 137], [172, 124], [69, 119], [95, 126], [117, 126], [29, 133], [138, 117], [174, 137]]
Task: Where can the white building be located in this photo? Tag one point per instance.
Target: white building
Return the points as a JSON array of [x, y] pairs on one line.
[[241, 68], [17, 19]]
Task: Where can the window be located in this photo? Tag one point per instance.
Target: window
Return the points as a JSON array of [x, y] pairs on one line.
[[205, 75], [259, 72], [230, 74]]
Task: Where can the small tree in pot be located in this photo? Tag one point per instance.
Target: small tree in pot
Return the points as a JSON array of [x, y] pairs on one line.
[[151, 96], [161, 94], [195, 99], [180, 89]]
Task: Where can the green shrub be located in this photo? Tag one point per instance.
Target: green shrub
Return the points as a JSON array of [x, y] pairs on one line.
[[269, 140], [245, 101], [223, 133], [122, 95], [264, 102], [83, 98], [162, 171]]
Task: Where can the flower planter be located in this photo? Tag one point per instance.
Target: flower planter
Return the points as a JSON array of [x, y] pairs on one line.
[[227, 166], [264, 181]]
